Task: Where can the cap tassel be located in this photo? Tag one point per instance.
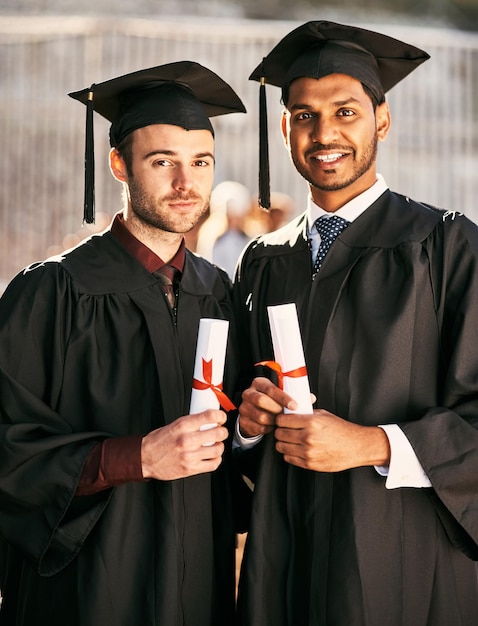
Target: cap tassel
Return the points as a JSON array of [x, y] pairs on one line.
[[89, 203], [264, 175]]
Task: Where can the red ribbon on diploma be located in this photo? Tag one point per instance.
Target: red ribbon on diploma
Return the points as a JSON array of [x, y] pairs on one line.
[[273, 365], [224, 401]]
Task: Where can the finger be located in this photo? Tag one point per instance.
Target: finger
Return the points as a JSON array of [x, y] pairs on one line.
[[256, 414], [288, 435], [202, 453], [252, 428], [212, 433], [296, 460], [208, 426], [255, 402], [287, 447], [208, 466], [292, 420], [210, 452], [203, 466], [275, 393], [206, 419], [212, 416], [291, 453]]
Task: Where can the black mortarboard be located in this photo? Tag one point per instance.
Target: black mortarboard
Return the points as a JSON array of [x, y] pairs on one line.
[[183, 94], [317, 49]]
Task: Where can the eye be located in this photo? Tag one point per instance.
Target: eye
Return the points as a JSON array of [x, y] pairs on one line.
[[345, 113], [305, 115], [162, 163], [203, 162]]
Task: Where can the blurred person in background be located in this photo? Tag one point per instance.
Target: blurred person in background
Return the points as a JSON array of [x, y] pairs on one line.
[[115, 505], [365, 511], [280, 211], [222, 237]]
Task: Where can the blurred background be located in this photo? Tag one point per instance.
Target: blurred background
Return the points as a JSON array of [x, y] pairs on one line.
[[48, 48]]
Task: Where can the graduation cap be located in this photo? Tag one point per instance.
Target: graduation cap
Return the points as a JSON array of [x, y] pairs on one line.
[[321, 48], [183, 94]]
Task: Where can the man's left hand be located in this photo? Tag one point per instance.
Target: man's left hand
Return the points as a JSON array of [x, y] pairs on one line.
[[324, 442]]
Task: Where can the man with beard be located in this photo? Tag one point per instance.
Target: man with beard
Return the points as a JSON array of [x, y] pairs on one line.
[[115, 503], [365, 511]]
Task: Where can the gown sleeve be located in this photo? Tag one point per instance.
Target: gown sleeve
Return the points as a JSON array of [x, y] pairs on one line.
[[112, 462], [43, 452], [445, 439]]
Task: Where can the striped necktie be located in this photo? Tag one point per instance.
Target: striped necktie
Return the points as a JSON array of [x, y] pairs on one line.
[[329, 228], [168, 276]]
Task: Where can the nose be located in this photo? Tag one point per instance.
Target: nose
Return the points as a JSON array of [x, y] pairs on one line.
[[183, 179], [324, 131]]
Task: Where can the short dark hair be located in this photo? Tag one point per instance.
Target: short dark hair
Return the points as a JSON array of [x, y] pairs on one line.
[[125, 149], [375, 101]]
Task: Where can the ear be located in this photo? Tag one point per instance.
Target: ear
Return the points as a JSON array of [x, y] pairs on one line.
[[382, 120], [118, 166], [284, 124]]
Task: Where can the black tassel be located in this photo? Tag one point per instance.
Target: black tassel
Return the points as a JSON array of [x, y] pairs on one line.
[[89, 204], [264, 175]]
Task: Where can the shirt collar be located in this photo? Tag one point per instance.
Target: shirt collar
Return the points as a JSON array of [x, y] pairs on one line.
[[144, 255], [352, 209]]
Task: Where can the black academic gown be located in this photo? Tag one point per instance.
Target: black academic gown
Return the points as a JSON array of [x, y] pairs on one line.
[[88, 350], [390, 336]]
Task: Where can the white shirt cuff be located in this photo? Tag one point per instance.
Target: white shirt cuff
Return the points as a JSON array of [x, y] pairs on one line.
[[405, 469], [242, 442]]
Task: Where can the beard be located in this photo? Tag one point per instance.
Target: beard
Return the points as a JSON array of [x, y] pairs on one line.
[[359, 168], [157, 213]]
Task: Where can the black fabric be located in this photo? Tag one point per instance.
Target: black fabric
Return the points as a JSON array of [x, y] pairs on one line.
[[318, 48], [192, 93], [166, 104], [89, 350], [389, 330]]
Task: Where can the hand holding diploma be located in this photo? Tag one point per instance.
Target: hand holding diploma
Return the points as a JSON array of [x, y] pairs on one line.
[[289, 356], [193, 444], [314, 440], [209, 369], [264, 401]]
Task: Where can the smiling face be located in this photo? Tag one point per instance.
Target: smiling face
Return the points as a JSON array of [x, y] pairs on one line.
[[170, 177], [332, 130]]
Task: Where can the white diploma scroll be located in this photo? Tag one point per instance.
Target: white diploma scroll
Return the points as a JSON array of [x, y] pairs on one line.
[[209, 366], [289, 354]]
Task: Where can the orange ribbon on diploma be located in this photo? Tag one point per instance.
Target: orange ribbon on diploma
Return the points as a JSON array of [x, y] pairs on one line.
[[200, 385], [295, 373], [289, 361], [209, 366]]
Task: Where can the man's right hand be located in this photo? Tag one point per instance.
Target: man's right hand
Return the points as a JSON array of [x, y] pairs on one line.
[[261, 403], [182, 449]]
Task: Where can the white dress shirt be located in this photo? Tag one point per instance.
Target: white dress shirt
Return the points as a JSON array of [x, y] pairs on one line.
[[404, 469]]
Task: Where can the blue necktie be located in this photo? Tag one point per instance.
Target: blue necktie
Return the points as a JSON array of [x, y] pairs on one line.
[[329, 228]]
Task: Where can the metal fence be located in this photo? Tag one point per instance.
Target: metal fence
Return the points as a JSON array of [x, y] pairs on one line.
[[430, 155]]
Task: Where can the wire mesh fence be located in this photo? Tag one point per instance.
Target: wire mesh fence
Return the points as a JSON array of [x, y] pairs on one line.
[[430, 155]]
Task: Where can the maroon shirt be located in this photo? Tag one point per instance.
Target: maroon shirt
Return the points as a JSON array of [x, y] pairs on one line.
[[117, 460]]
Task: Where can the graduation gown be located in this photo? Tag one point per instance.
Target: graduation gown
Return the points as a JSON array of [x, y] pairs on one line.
[[389, 328], [89, 350]]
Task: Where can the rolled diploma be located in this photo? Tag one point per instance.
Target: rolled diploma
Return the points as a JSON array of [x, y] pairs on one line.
[[211, 344], [289, 353]]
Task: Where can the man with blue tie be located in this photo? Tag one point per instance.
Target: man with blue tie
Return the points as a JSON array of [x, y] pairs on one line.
[[365, 511]]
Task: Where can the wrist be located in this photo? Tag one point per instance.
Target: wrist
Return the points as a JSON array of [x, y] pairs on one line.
[[378, 447]]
